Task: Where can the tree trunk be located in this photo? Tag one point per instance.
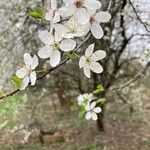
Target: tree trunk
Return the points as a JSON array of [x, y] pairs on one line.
[[61, 98], [100, 121]]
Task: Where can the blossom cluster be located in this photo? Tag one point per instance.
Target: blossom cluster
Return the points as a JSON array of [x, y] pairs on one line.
[[86, 101], [74, 19]]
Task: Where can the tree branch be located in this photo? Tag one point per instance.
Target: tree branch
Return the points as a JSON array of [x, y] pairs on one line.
[[135, 78], [138, 17], [51, 69]]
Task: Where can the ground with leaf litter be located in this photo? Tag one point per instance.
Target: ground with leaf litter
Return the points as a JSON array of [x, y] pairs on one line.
[[123, 130]]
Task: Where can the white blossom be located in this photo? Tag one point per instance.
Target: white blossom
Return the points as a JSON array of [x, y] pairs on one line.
[[89, 61], [27, 72], [79, 8], [52, 14], [82, 97], [72, 28], [95, 20], [52, 45], [92, 111]]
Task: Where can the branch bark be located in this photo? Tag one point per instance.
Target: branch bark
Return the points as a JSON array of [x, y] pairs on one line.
[[49, 70]]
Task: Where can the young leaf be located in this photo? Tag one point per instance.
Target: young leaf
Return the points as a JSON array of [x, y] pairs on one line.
[[82, 111], [99, 89], [101, 101], [17, 81], [73, 55], [36, 13]]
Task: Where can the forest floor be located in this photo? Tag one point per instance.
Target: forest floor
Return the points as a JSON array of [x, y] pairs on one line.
[[123, 130]]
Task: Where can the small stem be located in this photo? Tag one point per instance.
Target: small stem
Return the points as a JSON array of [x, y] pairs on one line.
[[39, 71]]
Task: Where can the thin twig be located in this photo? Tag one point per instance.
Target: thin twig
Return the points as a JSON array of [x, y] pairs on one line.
[[138, 17], [135, 78], [51, 69]]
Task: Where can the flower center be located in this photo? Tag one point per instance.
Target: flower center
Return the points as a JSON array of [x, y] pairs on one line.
[[92, 19], [88, 60], [78, 3], [28, 70], [72, 30], [55, 45]]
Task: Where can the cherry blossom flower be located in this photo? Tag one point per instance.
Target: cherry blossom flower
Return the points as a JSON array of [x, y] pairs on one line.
[[92, 111], [52, 14], [72, 28], [52, 46], [89, 61], [27, 72], [79, 8], [95, 20], [82, 97]]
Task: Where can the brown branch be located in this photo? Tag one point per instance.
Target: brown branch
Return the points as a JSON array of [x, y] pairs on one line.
[[137, 76], [51, 69]]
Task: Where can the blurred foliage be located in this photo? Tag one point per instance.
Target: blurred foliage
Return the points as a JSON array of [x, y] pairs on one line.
[[36, 13], [17, 81], [99, 89], [9, 108]]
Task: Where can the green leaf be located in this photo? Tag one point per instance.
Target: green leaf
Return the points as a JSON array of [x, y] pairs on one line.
[[101, 101], [9, 110], [99, 89], [73, 55], [17, 81], [36, 13], [82, 111]]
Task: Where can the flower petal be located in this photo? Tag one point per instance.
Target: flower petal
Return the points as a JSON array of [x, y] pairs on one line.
[[21, 73], [67, 45], [68, 1], [82, 16], [33, 78], [96, 67], [35, 62], [97, 30], [88, 115], [103, 16], [94, 116], [93, 104], [82, 61], [87, 72], [46, 37], [61, 29], [58, 36], [27, 59], [49, 15], [92, 4], [87, 107], [45, 52], [55, 58], [54, 4], [25, 83], [97, 109], [67, 11], [56, 17], [89, 50], [98, 55]]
